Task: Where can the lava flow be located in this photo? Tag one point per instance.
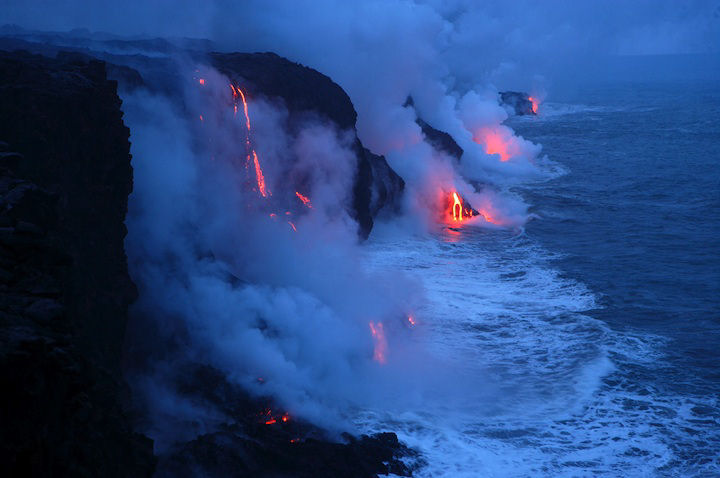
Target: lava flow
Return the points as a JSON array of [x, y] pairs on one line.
[[458, 210], [251, 154], [535, 104], [305, 200], [378, 334]]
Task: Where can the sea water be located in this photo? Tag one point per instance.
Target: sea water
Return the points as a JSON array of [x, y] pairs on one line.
[[591, 340]]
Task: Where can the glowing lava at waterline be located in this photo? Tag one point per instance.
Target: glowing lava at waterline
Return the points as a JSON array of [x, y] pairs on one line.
[[535, 104], [457, 212]]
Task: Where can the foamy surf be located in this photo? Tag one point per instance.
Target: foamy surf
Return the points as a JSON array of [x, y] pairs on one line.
[[547, 392]]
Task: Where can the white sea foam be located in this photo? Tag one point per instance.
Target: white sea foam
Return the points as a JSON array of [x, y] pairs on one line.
[[548, 390]]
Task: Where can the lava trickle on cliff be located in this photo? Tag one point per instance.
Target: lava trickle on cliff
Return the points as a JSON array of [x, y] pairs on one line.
[[251, 154], [305, 200]]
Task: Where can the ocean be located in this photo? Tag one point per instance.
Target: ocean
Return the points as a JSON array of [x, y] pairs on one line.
[[589, 342]]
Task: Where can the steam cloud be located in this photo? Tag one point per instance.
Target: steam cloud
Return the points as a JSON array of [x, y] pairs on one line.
[[227, 284]]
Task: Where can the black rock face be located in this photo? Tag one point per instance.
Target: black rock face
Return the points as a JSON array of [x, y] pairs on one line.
[[440, 140], [64, 285], [303, 90], [519, 101]]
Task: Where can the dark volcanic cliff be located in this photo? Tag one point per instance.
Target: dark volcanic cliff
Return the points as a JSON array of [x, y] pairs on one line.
[[65, 289], [65, 177]]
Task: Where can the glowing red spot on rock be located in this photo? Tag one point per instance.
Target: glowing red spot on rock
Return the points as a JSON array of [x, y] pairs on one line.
[[535, 104], [305, 200]]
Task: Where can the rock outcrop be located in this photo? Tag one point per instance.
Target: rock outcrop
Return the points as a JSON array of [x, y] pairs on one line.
[[64, 285], [440, 140], [259, 443], [518, 101]]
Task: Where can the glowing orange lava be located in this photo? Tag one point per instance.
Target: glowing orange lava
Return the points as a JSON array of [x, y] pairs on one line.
[[457, 211], [304, 199], [535, 104], [272, 421], [245, 107], [260, 178], [378, 334], [494, 144], [201, 81], [411, 320], [261, 185]]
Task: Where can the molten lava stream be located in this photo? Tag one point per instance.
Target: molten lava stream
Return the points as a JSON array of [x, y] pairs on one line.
[[251, 153], [381, 346], [260, 177], [305, 200], [457, 210]]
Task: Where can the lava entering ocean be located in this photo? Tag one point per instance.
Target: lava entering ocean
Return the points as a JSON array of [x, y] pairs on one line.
[[457, 210], [535, 104], [494, 143]]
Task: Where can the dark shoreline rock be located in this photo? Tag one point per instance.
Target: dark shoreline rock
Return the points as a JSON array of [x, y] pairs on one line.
[[256, 442]]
